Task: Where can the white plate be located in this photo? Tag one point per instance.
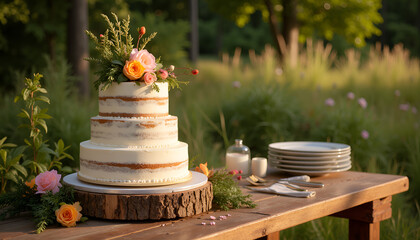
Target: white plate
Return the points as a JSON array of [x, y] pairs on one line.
[[309, 158], [312, 173], [309, 154], [311, 147], [313, 168], [319, 163]]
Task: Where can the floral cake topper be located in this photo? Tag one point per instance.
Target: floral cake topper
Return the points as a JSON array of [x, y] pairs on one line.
[[119, 61]]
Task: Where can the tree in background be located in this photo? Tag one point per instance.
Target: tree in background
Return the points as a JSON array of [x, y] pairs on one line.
[[353, 19]]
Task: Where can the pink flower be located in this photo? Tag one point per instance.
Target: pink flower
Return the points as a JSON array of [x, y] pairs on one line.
[[362, 102], [364, 134], [212, 217], [329, 102], [163, 73], [404, 107], [149, 78], [146, 59], [414, 110], [212, 223], [350, 95], [203, 223], [236, 84], [48, 181]]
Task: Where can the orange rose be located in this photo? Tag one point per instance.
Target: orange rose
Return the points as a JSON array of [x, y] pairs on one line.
[[133, 70], [68, 215], [203, 169]]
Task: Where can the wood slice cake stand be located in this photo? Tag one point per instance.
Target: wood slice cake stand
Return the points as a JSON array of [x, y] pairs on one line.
[[141, 203]]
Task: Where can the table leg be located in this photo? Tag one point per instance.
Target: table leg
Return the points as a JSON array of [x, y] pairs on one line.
[[364, 220]]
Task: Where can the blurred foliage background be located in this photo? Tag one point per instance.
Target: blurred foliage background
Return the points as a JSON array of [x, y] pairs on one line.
[[244, 89]]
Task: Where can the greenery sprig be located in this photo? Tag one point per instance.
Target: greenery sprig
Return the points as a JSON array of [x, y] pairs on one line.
[[42, 158], [114, 48], [226, 192]]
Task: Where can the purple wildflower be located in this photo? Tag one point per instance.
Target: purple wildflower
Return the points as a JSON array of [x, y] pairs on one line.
[[364, 134], [362, 102], [404, 107], [350, 95], [330, 102]]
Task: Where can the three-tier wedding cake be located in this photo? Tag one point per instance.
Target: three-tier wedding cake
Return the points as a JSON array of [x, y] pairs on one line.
[[134, 140]]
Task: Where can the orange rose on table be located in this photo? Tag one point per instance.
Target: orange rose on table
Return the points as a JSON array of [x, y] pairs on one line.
[[68, 214], [133, 69]]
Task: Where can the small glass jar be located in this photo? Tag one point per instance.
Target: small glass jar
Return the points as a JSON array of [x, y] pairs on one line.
[[238, 157]]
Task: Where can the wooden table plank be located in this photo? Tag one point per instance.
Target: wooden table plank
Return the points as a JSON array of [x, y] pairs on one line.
[[273, 213]]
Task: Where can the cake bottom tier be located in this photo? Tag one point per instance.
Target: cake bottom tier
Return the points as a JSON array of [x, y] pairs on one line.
[[133, 166]]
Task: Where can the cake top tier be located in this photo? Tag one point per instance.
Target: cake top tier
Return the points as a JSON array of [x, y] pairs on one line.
[[130, 99], [135, 90]]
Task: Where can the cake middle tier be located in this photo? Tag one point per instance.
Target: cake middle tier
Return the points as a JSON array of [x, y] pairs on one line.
[[141, 132]]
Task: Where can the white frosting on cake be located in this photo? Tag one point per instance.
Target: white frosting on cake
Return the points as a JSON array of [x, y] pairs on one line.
[[144, 132], [128, 99], [134, 140], [112, 164]]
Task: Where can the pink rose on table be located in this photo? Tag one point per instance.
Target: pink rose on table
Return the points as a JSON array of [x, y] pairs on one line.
[[163, 74], [146, 59], [48, 181], [149, 78]]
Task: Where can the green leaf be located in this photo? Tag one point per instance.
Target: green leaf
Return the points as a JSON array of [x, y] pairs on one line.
[[3, 154], [41, 167], [21, 169], [27, 142], [44, 116], [2, 140], [60, 146], [83, 219], [43, 98], [24, 114], [67, 156], [43, 124], [117, 62], [25, 94], [11, 176], [43, 90], [67, 169], [13, 161], [8, 145]]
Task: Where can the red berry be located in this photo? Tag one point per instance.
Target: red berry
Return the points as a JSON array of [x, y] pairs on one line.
[[232, 172], [142, 30], [239, 177], [240, 171], [194, 72]]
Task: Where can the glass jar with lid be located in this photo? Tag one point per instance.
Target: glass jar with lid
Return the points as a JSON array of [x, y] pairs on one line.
[[238, 157]]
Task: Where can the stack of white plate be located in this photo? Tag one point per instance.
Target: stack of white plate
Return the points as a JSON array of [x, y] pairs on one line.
[[310, 158]]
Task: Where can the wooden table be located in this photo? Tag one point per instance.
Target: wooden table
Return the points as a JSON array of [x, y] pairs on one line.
[[364, 198]]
